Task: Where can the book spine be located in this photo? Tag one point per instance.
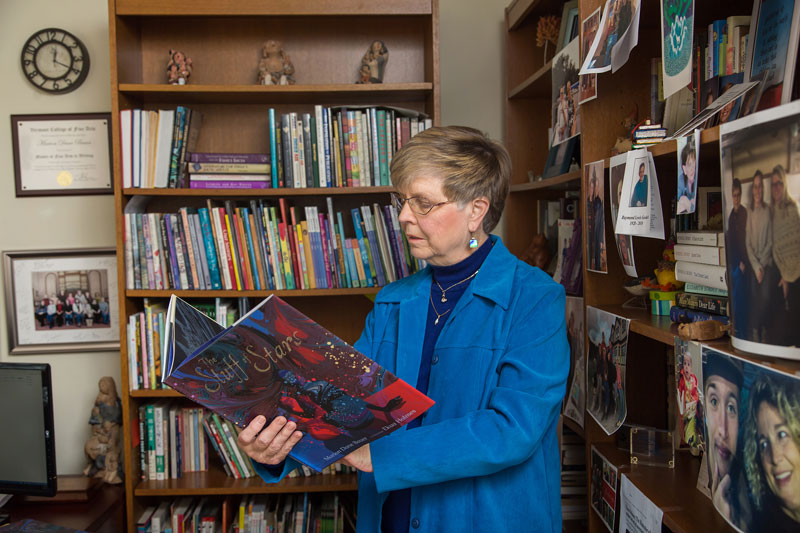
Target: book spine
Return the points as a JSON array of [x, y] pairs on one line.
[[229, 168], [244, 252], [136, 253], [355, 167], [240, 457], [344, 137], [329, 259], [228, 184], [129, 281], [697, 288], [372, 246], [260, 236], [132, 351], [219, 424], [234, 252], [288, 160], [708, 255], [297, 145], [362, 266], [315, 140], [275, 251], [273, 148], [253, 250], [350, 266], [682, 315], [161, 237], [151, 442], [338, 151], [376, 166], [215, 444], [177, 144], [322, 148], [363, 247], [148, 250], [701, 238], [173, 254], [397, 255], [211, 252], [717, 305], [214, 159], [222, 250], [200, 248], [143, 468], [708, 275], [362, 157], [186, 235]]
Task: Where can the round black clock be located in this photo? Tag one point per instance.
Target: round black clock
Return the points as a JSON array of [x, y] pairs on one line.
[[55, 61]]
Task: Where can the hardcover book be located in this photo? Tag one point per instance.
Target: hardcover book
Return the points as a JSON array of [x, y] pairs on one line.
[[275, 361]]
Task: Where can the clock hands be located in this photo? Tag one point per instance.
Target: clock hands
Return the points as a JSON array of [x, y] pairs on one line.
[[62, 64]]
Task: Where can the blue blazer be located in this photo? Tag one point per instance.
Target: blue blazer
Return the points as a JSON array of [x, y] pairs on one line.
[[486, 456]]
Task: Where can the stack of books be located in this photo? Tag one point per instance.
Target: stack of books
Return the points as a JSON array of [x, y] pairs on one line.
[[229, 171], [222, 435], [201, 514], [700, 262], [573, 475], [647, 134]]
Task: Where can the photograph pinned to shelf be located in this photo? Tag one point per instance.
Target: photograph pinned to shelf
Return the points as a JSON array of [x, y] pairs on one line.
[[560, 158], [618, 35], [749, 453], [61, 300], [616, 173], [760, 168], [575, 402], [594, 184], [588, 82], [688, 156], [677, 34], [566, 112], [717, 106], [772, 51], [604, 488], [640, 210], [689, 395], [605, 368]]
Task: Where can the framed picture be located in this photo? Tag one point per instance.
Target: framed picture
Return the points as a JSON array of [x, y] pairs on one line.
[[67, 154], [61, 300], [560, 156]]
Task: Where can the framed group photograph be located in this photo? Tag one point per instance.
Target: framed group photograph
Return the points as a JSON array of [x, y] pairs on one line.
[[63, 154], [61, 300]]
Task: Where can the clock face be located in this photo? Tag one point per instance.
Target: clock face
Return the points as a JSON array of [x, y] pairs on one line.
[[55, 61]]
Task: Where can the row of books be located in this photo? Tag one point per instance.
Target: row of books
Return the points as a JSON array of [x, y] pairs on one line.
[[332, 147], [145, 336], [171, 440], [261, 247], [700, 263], [573, 475], [725, 46]]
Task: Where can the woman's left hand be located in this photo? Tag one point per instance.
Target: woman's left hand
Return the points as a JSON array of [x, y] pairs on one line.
[[361, 459]]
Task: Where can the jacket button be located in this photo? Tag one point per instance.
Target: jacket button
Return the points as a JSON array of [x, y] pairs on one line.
[[434, 359], [415, 523]]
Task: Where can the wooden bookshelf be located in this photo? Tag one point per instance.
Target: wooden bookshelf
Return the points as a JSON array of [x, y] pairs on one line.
[[325, 40], [527, 113]]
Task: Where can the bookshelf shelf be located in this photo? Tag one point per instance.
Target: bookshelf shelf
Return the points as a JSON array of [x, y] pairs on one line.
[[570, 180], [272, 7], [538, 85], [140, 293], [520, 10], [330, 94], [669, 489], [155, 393], [571, 424], [708, 137], [215, 482], [250, 193]]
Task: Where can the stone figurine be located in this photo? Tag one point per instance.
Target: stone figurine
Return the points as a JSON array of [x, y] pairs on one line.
[[373, 64], [179, 68], [275, 67], [103, 447]]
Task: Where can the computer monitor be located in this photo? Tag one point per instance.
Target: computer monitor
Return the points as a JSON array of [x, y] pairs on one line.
[[27, 439]]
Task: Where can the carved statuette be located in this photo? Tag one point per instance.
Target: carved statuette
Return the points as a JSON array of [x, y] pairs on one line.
[[179, 68], [373, 64], [103, 448], [275, 67]]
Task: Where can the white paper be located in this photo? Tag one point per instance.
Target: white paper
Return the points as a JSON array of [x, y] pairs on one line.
[[613, 43], [616, 173], [640, 205], [637, 514], [606, 357], [677, 32]]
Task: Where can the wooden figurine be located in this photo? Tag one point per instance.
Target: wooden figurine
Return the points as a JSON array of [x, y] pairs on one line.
[[705, 330], [373, 64], [537, 254], [179, 68], [102, 448], [275, 67]]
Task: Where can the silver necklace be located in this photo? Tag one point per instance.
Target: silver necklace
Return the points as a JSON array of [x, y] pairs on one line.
[[444, 298]]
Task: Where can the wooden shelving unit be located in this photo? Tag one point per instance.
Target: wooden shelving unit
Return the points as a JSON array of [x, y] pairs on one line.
[[325, 40], [528, 110]]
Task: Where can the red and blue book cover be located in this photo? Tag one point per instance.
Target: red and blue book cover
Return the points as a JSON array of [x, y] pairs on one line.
[[275, 361]]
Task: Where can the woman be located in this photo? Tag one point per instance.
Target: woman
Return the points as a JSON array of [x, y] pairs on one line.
[[772, 453], [687, 187], [785, 251], [482, 334], [764, 277]]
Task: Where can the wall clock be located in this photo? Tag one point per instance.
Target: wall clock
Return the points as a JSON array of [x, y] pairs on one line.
[[55, 61]]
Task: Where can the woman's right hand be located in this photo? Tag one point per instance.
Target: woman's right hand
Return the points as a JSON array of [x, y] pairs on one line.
[[269, 445]]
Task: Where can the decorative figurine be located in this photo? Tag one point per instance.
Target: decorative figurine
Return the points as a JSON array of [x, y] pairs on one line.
[[373, 64], [537, 254], [547, 32], [102, 448], [704, 330], [179, 68], [275, 67]]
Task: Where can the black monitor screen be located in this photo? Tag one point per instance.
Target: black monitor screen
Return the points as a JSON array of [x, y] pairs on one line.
[[27, 441]]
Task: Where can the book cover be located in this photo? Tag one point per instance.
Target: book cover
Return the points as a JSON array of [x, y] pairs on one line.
[[717, 305], [701, 237], [682, 315], [708, 275], [275, 361], [708, 255]]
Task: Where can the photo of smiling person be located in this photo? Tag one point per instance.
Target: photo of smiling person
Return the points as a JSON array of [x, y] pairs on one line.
[[687, 173]]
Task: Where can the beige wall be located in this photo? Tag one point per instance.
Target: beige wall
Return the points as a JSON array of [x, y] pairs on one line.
[[472, 94]]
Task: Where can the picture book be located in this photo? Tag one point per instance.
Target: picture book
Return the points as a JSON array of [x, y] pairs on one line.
[[275, 361]]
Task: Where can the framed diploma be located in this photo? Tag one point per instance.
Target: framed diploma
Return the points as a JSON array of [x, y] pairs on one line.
[[65, 154]]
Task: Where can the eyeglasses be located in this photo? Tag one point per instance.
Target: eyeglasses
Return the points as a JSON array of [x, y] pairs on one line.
[[418, 205]]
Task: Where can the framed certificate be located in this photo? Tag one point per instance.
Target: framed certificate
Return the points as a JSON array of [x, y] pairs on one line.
[[65, 154]]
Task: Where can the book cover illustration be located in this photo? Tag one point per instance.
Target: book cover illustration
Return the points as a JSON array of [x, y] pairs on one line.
[[275, 361]]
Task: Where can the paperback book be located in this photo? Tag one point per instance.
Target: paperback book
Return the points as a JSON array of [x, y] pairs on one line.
[[275, 361]]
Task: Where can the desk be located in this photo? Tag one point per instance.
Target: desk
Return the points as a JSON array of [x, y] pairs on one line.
[[103, 513]]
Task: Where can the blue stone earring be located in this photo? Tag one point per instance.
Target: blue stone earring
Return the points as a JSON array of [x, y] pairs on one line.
[[473, 242]]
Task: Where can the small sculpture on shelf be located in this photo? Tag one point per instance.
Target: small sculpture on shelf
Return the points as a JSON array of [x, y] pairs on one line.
[[275, 67], [373, 64], [546, 33], [179, 68], [102, 448], [705, 330], [537, 254]]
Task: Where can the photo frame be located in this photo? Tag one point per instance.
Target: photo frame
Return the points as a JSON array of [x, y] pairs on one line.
[[62, 154], [61, 300], [709, 205], [559, 158]]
